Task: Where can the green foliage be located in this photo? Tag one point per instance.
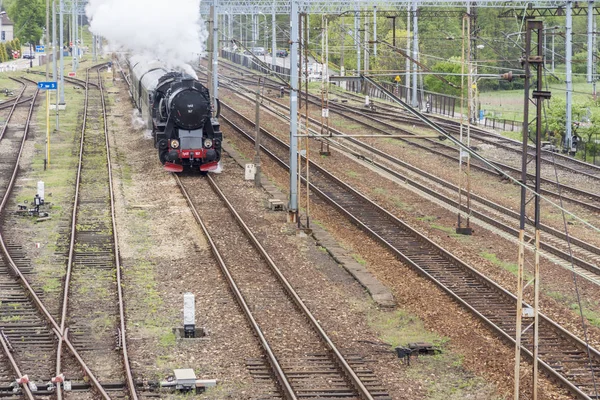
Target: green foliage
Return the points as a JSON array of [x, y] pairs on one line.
[[29, 17], [586, 124], [3, 53], [579, 63], [452, 66]]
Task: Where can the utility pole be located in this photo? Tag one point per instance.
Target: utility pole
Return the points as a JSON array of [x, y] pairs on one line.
[[257, 140], [569, 77], [375, 31], [357, 39], [590, 41], [54, 48], [1, 38], [415, 99], [467, 230], [273, 38], [324, 85], [526, 315], [215, 54], [54, 58], [62, 58], [76, 31], [366, 41], [47, 39], [293, 203]]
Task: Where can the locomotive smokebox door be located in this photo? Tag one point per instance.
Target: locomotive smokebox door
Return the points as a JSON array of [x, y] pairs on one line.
[[189, 315]]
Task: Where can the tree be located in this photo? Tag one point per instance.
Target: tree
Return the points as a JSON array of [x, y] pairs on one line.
[[3, 54], [452, 66], [585, 117], [29, 17]]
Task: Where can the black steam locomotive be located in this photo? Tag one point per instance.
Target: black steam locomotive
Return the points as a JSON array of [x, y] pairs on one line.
[[176, 107]]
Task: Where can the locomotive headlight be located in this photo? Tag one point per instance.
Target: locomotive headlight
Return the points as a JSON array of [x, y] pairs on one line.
[[208, 143], [174, 144]]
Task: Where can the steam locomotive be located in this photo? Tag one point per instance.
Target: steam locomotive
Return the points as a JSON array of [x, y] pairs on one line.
[[177, 108]]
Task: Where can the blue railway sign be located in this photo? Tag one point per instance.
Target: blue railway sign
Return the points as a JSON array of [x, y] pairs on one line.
[[47, 85], [40, 49]]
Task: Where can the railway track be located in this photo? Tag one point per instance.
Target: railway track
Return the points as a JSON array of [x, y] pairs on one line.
[[563, 356], [92, 306], [562, 161], [582, 198], [26, 339], [304, 360], [30, 333], [586, 256]]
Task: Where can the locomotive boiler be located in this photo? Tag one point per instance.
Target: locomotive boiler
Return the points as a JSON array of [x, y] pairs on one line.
[[177, 108]]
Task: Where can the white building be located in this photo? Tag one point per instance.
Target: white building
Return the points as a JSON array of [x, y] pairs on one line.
[[6, 28]]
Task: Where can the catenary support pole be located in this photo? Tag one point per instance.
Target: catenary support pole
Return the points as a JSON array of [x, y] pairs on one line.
[[590, 41], [215, 55], [47, 40], [357, 38], [62, 56], [375, 31], [293, 203], [569, 77], [415, 100], [273, 38], [407, 73], [553, 36], [257, 140], [54, 47]]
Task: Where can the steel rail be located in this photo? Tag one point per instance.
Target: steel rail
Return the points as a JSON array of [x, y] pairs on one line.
[[494, 139], [14, 105], [119, 271], [337, 355], [477, 214], [490, 220], [282, 379], [32, 293], [502, 295], [14, 365], [8, 105], [350, 374], [448, 156], [11, 359], [480, 131], [67, 280]]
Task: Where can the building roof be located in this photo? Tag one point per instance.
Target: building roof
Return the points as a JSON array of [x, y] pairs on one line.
[[5, 19]]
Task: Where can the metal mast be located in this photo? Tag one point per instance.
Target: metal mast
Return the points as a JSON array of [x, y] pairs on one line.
[[294, 26], [527, 314]]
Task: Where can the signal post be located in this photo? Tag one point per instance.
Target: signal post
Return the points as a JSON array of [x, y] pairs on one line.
[[47, 86]]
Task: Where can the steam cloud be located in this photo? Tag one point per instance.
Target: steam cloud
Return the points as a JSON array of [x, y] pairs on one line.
[[171, 31]]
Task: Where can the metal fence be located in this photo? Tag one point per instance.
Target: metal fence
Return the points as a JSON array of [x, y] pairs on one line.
[[504, 124], [438, 103], [250, 62]]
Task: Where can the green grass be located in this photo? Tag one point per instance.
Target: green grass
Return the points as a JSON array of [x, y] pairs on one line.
[[508, 104], [359, 259], [449, 230], [11, 318], [508, 266], [352, 174], [398, 328]]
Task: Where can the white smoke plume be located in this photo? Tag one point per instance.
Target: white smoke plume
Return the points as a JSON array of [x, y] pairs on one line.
[[171, 31]]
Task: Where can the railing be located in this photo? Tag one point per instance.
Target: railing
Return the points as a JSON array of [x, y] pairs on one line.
[[503, 124]]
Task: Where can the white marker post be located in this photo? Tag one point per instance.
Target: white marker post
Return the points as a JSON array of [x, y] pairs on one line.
[[189, 315]]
